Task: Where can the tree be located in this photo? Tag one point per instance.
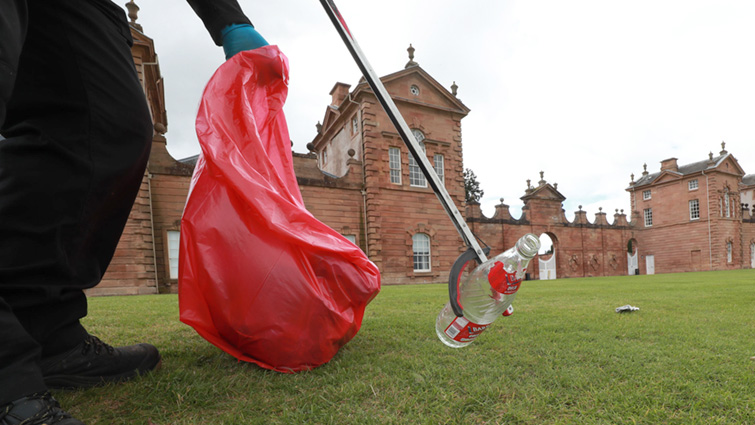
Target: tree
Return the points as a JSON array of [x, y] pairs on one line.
[[472, 186]]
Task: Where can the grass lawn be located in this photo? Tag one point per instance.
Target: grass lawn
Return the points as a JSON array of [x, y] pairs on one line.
[[564, 357]]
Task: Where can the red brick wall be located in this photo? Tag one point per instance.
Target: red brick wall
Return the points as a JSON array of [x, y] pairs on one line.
[[582, 248], [169, 194], [679, 243], [337, 202], [398, 211]]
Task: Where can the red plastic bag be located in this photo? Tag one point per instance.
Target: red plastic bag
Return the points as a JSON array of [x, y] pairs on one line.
[[259, 276]]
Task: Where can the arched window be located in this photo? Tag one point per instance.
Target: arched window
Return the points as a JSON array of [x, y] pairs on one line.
[[421, 250]]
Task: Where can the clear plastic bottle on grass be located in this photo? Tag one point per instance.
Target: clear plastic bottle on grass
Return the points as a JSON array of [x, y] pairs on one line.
[[486, 293]]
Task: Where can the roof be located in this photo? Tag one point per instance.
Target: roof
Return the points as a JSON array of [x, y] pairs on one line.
[[192, 160], [748, 180], [684, 170]]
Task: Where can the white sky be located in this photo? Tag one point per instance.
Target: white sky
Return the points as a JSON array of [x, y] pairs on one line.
[[586, 91]]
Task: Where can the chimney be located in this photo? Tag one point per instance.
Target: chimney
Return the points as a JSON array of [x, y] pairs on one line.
[[339, 93], [669, 164]]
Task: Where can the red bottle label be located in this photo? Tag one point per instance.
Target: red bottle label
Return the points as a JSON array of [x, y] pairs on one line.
[[502, 281], [462, 330]]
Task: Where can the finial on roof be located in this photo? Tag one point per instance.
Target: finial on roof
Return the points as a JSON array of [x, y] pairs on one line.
[[632, 176], [502, 200], [318, 126], [133, 11], [542, 180], [600, 209], [645, 169], [723, 148], [454, 88], [411, 57], [555, 186], [580, 207]]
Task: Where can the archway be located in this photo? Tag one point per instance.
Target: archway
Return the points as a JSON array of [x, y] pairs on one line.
[[633, 266], [547, 256]]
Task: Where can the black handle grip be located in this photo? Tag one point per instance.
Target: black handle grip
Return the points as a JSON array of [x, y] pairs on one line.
[[453, 278]]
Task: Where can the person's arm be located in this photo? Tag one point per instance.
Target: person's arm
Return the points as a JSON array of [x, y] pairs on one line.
[[218, 14], [228, 25]]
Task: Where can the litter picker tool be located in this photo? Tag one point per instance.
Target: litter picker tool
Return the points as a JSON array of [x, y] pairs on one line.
[[474, 251]]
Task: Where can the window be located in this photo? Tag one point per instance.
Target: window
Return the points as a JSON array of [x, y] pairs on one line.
[[174, 239], [727, 204], [416, 178], [694, 209], [324, 156], [648, 217], [692, 184], [351, 238], [438, 164], [645, 195], [728, 252], [421, 249], [354, 125], [394, 162]]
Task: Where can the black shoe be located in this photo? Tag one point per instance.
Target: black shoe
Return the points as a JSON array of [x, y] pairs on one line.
[[94, 363], [36, 409]]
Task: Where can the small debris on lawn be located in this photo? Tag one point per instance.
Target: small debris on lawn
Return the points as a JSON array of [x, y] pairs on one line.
[[626, 309]]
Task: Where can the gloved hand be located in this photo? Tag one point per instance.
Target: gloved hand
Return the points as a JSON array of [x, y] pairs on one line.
[[240, 37]]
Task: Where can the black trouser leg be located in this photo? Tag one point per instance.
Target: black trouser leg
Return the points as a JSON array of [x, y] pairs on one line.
[[77, 136]]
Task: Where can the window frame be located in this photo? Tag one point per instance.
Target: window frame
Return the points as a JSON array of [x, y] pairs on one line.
[[694, 209], [415, 173], [394, 159], [421, 258], [694, 183], [648, 216], [647, 194], [172, 245], [440, 170]]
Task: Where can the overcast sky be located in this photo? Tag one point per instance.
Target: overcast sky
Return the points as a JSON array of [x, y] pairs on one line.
[[585, 91]]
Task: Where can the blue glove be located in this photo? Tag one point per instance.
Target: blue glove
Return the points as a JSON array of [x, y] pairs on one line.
[[240, 37]]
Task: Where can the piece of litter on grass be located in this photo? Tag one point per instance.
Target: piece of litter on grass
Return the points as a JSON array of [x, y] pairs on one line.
[[626, 308]]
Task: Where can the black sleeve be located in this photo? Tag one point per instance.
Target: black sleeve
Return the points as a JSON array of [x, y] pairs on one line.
[[218, 14]]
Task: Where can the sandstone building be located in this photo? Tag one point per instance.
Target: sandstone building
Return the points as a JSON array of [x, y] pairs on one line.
[[359, 179]]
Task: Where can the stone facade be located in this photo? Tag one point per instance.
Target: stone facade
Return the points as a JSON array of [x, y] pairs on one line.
[[397, 205], [693, 217], [358, 179]]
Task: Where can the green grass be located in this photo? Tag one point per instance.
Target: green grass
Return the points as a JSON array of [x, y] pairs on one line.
[[564, 357]]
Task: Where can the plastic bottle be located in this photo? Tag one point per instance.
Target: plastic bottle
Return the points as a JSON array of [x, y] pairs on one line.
[[486, 293]]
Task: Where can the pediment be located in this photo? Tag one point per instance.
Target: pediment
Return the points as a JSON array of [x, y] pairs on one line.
[[667, 176], [730, 165], [331, 115], [431, 93], [546, 192]]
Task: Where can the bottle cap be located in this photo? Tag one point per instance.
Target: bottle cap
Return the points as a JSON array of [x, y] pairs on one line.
[[528, 245]]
